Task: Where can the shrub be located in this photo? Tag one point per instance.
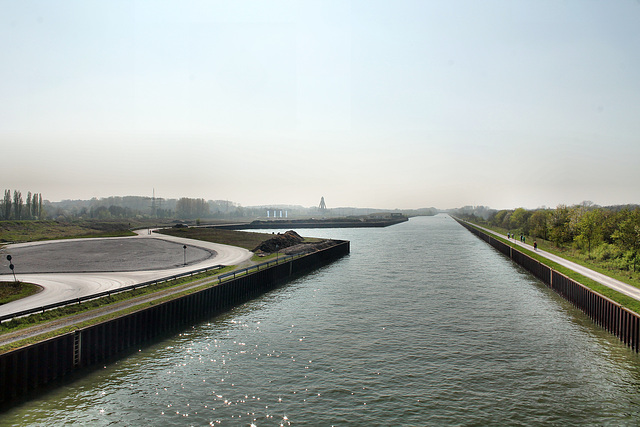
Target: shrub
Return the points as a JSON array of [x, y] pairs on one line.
[[605, 252]]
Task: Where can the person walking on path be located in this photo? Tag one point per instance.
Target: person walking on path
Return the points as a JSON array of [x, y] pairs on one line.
[[535, 245]]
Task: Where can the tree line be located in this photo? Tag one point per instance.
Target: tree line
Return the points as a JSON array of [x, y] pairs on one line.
[[607, 234], [20, 209]]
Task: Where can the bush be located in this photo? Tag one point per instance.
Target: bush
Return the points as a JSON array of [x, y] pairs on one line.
[[606, 252]]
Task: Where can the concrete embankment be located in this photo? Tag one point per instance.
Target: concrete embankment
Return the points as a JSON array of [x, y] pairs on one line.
[[28, 369], [618, 320]]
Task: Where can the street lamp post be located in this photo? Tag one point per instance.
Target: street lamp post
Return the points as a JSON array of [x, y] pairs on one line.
[[185, 254], [12, 267]]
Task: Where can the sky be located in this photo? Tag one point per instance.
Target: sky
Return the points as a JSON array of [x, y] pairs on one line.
[[381, 104]]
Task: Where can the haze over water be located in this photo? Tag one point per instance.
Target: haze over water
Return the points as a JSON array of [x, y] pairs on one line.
[[422, 324]]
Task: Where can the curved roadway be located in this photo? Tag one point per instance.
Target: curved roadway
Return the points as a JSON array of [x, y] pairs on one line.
[[64, 286]]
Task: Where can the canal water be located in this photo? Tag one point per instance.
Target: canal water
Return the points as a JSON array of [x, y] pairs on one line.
[[422, 324]]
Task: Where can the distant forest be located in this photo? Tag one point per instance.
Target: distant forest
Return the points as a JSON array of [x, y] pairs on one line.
[[610, 235], [14, 207]]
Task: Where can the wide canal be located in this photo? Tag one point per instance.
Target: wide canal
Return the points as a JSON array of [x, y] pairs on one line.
[[422, 324]]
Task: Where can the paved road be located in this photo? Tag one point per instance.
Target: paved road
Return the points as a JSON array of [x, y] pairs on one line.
[[617, 285], [70, 285]]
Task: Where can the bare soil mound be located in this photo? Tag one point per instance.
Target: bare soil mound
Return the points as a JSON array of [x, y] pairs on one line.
[[305, 248], [291, 243], [279, 242]]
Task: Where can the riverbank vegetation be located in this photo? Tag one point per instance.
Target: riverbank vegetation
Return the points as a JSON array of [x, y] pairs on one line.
[[606, 239]]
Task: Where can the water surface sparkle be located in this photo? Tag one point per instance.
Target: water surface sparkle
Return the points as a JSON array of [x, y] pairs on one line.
[[422, 324]]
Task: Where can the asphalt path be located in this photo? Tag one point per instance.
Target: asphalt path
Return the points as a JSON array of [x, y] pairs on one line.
[[89, 268], [610, 282]]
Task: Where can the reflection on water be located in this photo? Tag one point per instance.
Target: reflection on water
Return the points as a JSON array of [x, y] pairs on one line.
[[422, 324]]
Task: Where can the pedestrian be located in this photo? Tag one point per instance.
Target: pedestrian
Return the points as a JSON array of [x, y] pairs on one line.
[[508, 235], [535, 245], [523, 239]]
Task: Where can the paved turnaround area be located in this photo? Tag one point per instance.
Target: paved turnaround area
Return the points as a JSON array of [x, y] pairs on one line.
[[612, 283], [68, 269]]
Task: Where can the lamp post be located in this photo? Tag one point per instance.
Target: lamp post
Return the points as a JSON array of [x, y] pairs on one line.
[[12, 267], [185, 254]]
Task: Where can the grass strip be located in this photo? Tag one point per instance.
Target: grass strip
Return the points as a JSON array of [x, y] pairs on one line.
[[628, 277], [243, 239], [31, 231], [622, 299], [69, 310], [112, 315], [11, 291], [83, 324]]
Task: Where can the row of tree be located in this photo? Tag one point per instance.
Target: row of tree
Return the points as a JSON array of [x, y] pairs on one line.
[[17, 208], [605, 233], [187, 208]]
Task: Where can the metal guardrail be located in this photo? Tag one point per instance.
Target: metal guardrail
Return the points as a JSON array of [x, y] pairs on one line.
[[59, 304], [221, 278], [257, 267]]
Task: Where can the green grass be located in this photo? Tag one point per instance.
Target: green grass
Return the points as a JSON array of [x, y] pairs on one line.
[[65, 329], [624, 300], [30, 231], [17, 231], [41, 318], [69, 310], [243, 239], [11, 291], [571, 254], [42, 230]]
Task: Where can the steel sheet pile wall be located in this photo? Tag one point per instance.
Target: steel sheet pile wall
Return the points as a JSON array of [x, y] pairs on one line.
[[616, 319], [30, 368]]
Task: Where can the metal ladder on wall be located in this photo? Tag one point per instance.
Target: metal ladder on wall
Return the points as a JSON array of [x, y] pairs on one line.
[[77, 344]]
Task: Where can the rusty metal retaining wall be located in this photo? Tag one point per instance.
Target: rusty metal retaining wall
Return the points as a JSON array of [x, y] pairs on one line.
[[613, 317], [27, 369]]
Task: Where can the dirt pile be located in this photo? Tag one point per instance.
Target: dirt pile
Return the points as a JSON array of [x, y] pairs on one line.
[[279, 242], [305, 248]]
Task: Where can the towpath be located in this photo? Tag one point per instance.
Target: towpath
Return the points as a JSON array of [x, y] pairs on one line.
[[63, 322], [605, 280]]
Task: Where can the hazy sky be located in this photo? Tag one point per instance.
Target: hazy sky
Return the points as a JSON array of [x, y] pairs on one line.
[[385, 104]]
